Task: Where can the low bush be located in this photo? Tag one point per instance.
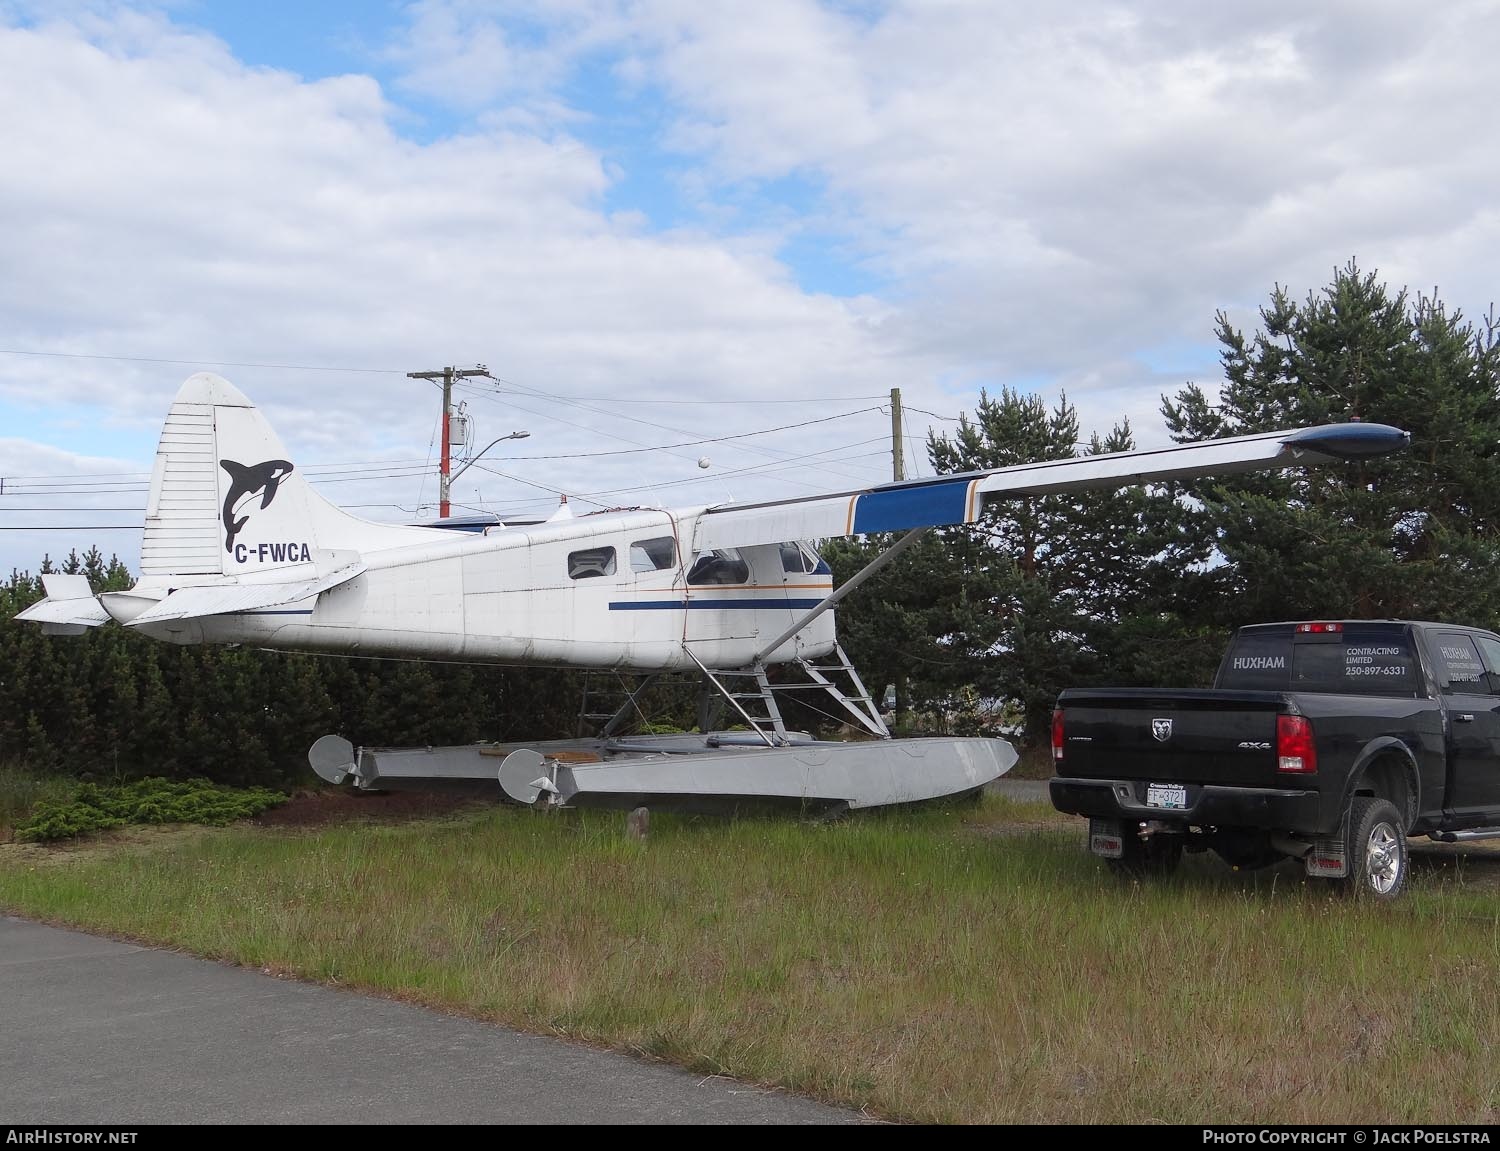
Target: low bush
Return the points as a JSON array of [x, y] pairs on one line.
[[20, 792], [94, 808]]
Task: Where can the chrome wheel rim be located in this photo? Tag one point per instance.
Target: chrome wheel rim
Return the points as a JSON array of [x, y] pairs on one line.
[[1383, 858]]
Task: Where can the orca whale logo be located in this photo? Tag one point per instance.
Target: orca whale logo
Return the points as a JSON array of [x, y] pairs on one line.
[[247, 480]]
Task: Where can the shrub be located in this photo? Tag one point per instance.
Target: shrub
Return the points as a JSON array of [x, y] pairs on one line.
[[22, 790], [94, 808]]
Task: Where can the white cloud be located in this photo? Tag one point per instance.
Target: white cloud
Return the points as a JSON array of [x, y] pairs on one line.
[[471, 53], [1050, 186], [1044, 191], [91, 498], [181, 205]]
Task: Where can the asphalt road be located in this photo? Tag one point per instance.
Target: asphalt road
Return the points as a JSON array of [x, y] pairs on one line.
[[93, 1031]]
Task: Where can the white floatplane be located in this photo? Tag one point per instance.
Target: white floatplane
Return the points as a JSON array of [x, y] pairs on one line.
[[240, 549]]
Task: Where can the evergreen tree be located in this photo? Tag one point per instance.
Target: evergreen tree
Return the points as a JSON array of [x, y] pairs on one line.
[[115, 702], [1410, 535], [1035, 597]]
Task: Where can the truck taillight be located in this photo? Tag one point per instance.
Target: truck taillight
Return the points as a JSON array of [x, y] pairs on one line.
[[1295, 750], [1057, 736], [1320, 628]]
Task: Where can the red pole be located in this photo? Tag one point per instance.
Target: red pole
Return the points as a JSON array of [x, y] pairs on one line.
[[446, 462]]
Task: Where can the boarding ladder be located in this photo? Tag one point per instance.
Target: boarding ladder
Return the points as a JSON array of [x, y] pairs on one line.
[[751, 693]]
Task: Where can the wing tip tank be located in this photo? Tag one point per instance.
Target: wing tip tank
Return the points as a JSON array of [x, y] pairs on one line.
[[1350, 441]]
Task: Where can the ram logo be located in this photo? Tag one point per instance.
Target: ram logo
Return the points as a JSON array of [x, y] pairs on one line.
[[1162, 729]]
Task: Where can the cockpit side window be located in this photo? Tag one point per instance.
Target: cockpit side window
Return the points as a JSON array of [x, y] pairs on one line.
[[719, 567], [798, 559]]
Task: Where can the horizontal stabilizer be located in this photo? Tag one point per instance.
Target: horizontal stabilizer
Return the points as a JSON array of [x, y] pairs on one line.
[[226, 599], [70, 603], [960, 499]]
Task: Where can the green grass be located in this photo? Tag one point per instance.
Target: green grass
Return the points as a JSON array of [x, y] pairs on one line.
[[22, 790], [973, 964]]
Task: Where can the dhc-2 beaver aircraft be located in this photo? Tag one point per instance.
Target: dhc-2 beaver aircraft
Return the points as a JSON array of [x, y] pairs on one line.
[[239, 549]]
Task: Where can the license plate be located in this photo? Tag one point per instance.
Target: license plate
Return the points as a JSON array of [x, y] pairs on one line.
[[1172, 796]]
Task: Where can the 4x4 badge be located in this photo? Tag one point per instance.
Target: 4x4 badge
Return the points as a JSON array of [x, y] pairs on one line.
[[1162, 729]]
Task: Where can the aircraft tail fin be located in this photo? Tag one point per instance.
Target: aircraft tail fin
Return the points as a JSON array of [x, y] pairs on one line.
[[226, 499]]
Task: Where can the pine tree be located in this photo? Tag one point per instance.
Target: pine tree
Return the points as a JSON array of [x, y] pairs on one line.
[[1409, 535], [1034, 598]]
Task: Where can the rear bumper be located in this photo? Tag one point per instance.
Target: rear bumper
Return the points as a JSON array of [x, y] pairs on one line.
[[1273, 809]]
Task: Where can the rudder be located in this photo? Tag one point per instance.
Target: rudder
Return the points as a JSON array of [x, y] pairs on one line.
[[226, 500]]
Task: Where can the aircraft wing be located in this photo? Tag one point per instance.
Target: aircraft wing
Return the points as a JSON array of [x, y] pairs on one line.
[[960, 499]]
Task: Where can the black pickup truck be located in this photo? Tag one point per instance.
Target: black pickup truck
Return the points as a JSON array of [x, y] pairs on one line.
[[1328, 742]]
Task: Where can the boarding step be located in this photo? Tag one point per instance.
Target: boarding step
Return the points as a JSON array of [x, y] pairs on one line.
[[1468, 836], [769, 724], [857, 701]]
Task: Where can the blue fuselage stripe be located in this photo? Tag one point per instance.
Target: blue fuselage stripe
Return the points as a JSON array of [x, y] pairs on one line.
[[718, 604], [282, 611]]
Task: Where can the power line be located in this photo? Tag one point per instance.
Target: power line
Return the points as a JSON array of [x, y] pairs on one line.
[[824, 456], [767, 468], [196, 363], [307, 469], [756, 401], [770, 453], [574, 426], [75, 476], [64, 488], [485, 466], [397, 372], [916, 467], [696, 443]]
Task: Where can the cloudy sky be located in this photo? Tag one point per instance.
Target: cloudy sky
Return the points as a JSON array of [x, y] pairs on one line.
[[668, 221]]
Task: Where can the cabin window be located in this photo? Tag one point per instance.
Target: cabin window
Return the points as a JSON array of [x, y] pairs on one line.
[[1491, 651], [1459, 664], [724, 566], [653, 555], [794, 559], [591, 562]]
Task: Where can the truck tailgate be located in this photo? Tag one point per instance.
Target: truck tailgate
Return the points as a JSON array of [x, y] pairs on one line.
[[1211, 737]]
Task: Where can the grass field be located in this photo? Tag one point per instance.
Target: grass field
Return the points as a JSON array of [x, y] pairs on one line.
[[964, 965]]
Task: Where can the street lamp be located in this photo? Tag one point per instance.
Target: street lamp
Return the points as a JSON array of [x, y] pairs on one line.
[[474, 459]]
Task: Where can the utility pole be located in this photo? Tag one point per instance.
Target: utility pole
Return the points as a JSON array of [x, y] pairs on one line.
[[898, 463], [447, 375]]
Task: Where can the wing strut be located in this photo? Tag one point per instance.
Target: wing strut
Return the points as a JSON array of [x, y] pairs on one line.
[[848, 586]]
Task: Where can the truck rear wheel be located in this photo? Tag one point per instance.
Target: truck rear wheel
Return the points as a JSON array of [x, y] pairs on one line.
[[1376, 849], [1156, 855]]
